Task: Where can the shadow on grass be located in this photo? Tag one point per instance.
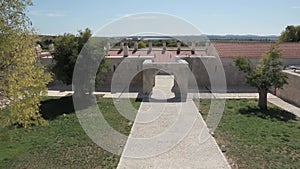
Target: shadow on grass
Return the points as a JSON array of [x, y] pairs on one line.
[[52, 108], [271, 113]]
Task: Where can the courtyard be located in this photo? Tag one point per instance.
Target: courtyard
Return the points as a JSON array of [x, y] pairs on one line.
[[149, 84], [253, 138]]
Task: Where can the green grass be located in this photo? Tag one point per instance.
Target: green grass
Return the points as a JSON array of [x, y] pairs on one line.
[[255, 138], [61, 144]]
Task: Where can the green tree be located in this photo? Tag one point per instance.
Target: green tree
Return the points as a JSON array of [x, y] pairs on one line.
[[83, 38], [141, 45], [67, 50], [291, 34], [22, 78], [266, 74]]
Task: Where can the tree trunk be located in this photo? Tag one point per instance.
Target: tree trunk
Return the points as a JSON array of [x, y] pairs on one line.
[[262, 102]]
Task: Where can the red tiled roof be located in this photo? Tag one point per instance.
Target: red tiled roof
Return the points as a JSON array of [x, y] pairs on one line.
[[255, 49], [226, 50]]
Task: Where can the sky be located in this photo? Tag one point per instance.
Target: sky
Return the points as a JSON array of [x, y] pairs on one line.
[[214, 17]]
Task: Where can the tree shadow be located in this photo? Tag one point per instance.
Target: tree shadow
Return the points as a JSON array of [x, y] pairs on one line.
[[52, 108], [271, 113]]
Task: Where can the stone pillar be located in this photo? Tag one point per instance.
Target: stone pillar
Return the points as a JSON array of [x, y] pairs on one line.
[[164, 47], [135, 47], [122, 45], [121, 48], [126, 49], [148, 81], [193, 51], [178, 48], [180, 88], [108, 46], [150, 47]]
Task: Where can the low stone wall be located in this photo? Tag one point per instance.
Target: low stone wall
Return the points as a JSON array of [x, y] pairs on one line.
[[291, 91]]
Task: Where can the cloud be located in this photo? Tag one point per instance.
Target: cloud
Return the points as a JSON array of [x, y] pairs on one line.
[[47, 13], [295, 7], [138, 16]]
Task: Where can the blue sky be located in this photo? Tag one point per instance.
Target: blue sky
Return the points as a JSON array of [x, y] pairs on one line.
[[219, 17]]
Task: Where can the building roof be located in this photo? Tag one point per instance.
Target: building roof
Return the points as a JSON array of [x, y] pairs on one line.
[[255, 49], [159, 55], [289, 50]]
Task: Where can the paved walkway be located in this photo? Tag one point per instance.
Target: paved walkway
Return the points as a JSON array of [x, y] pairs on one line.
[[271, 98], [284, 105], [105, 94], [170, 135]]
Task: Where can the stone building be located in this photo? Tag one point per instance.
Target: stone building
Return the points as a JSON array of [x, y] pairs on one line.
[[197, 58]]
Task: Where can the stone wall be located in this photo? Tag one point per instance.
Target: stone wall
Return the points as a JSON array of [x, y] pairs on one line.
[[131, 65], [121, 71], [291, 91]]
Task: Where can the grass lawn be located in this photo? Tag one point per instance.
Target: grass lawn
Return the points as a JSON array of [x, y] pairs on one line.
[[255, 138], [61, 144]]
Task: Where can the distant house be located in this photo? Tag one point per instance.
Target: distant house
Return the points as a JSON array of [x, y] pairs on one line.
[[254, 50]]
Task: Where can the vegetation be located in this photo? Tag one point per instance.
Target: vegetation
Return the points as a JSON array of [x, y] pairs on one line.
[[66, 52], [141, 45], [22, 78], [61, 144], [68, 47], [255, 138], [291, 34], [265, 75]]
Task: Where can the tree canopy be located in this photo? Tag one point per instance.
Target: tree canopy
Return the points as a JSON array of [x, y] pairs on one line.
[[266, 74], [68, 48], [22, 78], [290, 34]]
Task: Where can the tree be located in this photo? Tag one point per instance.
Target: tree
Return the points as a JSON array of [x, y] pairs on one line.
[[84, 36], [266, 74], [66, 52], [141, 45], [67, 49], [291, 34], [22, 78]]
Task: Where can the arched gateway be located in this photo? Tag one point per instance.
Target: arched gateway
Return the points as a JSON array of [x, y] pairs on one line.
[[179, 69], [138, 68]]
